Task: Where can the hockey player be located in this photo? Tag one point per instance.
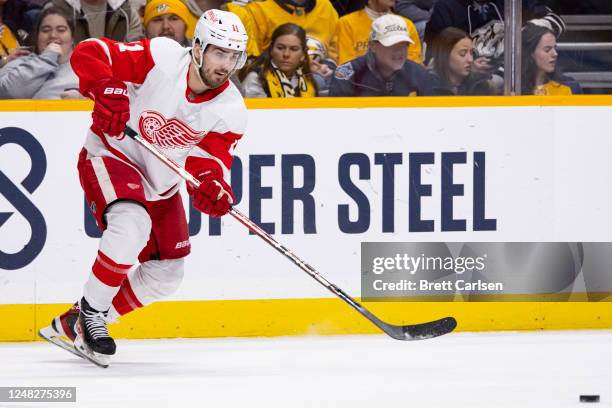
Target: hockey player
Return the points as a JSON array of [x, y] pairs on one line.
[[181, 100]]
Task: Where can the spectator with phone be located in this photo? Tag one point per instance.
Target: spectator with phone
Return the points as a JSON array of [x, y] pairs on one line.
[[45, 73]]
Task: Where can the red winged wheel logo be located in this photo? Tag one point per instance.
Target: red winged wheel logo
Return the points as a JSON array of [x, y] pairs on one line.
[[167, 133]]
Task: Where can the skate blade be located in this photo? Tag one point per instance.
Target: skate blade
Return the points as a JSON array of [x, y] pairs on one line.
[[101, 360], [50, 335]]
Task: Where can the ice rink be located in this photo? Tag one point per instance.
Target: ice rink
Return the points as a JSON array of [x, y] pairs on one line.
[[507, 369]]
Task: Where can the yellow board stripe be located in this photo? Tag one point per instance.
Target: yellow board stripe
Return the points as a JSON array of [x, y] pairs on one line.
[[287, 317], [326, 103]]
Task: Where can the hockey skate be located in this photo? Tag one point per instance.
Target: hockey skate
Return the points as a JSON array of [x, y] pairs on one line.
[[61, 331], [92, 338]]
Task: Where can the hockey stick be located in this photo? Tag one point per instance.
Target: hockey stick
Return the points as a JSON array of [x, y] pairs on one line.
[[407, 332]]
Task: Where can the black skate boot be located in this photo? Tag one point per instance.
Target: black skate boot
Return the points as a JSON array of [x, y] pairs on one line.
[[92, 337], [61, 331]]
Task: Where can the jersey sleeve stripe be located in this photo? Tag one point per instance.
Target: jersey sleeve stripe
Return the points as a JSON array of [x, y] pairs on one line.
[[104, 47]]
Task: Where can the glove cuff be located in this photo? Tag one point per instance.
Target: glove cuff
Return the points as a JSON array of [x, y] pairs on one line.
[[202, 168]]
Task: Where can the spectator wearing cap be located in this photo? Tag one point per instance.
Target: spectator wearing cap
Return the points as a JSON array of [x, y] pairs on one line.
[[198, 7], [167, 18], [317, 17], [114, 19], [385, 69], [353, 31]]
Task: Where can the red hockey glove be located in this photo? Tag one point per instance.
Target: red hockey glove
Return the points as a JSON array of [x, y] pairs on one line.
[[215, 196], [111, 106]]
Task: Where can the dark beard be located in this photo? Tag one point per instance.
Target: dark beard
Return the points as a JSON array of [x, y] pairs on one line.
[[209, 84]]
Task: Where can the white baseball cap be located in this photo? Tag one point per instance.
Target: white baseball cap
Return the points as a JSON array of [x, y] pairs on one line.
[[389, 30]]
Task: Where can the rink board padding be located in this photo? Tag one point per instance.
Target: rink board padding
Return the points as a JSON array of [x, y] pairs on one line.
[[299, 317], [314, 171]]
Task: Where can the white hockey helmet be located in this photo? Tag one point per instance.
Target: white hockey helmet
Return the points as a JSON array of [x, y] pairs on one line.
[[223, 29]]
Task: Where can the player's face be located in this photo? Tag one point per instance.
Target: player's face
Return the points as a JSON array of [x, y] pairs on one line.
[[218, 65], [54, 29], [545, 54], [390, 58], [287, 53], [167, 25], [461, 58]]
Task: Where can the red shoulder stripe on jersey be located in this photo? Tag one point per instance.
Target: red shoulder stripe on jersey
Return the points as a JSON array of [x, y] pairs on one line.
[[98, 58], [206, 95], [219, 145]]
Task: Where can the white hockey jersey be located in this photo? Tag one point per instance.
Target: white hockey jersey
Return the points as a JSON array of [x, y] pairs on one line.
[[163, 109]]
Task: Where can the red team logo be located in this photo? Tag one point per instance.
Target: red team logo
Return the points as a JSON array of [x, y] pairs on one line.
[[167, 133]]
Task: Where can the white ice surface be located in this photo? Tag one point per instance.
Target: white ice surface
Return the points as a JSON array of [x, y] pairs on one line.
[[531, 369]]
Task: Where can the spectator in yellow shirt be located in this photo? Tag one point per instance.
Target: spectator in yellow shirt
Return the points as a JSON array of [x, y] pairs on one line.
[[539, 65], [317, 17], [353, 30], [197, 7]]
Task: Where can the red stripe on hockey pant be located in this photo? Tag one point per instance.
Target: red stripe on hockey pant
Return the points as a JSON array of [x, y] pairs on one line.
[[126, 301], [108, 271]]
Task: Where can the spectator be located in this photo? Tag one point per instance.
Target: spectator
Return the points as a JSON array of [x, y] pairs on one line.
[[139, 6], [321, 66], [282, 71], [452, 61], [16, 22], [46, 73], [353, 30], [317, 17], [114, 19], [167, 18], [344, 7], [418, 11], [198, 7], [483, 21], [385, 69], [539, 66]]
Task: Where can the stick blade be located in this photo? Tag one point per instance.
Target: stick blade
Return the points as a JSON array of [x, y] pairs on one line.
[[421, 331]]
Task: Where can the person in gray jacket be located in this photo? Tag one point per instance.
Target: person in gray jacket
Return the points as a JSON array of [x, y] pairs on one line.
[[46, 73], [114, 19], [418, 11]]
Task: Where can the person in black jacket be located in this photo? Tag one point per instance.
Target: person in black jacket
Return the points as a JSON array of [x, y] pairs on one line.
[[452, 62], [483, 21], [385, 69]]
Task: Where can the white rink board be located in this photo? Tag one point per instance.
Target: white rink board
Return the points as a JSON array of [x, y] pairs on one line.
[[547, 179]]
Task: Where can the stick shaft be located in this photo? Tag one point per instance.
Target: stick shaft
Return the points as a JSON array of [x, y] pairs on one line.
[[247, 222], [407, 332]]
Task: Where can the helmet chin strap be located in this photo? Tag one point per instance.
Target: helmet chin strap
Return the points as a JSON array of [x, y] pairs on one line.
[[199, 66]]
